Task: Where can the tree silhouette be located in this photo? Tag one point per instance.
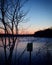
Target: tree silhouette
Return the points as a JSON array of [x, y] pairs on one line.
[[11, 14]]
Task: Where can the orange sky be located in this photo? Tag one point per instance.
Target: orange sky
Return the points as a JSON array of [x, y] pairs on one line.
[[28, 31], [21, 31]]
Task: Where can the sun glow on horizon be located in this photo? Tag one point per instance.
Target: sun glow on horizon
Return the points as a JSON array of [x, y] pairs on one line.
[[29, 31]]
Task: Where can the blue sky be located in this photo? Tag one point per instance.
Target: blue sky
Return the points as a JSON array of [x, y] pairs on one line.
[[40, 14]]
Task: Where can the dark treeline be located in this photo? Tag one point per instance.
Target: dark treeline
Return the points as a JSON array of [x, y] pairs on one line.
[[16, 35], [44, 33]]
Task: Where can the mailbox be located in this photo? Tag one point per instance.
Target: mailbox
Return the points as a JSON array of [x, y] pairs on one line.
[[29, 47]]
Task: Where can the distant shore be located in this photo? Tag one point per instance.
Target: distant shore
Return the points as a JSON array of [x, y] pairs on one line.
[[47, 33], [44, 33]]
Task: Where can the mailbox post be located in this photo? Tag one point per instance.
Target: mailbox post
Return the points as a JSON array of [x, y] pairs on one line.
[[30, 49]]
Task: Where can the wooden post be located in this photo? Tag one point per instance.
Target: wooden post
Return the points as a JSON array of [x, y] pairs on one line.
[[29, 49]]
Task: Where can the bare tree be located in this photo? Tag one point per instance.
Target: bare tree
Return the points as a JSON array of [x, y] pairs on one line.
[[11, 15]]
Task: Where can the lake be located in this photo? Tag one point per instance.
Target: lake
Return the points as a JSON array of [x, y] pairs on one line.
[[41, 53]]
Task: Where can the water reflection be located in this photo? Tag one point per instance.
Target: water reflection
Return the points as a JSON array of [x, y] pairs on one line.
[[41, 54]]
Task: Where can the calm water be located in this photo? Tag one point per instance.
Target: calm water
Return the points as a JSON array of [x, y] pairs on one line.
[[40, 55]]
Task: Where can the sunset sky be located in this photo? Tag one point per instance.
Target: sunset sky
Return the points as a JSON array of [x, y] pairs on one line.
[[39, 16]]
